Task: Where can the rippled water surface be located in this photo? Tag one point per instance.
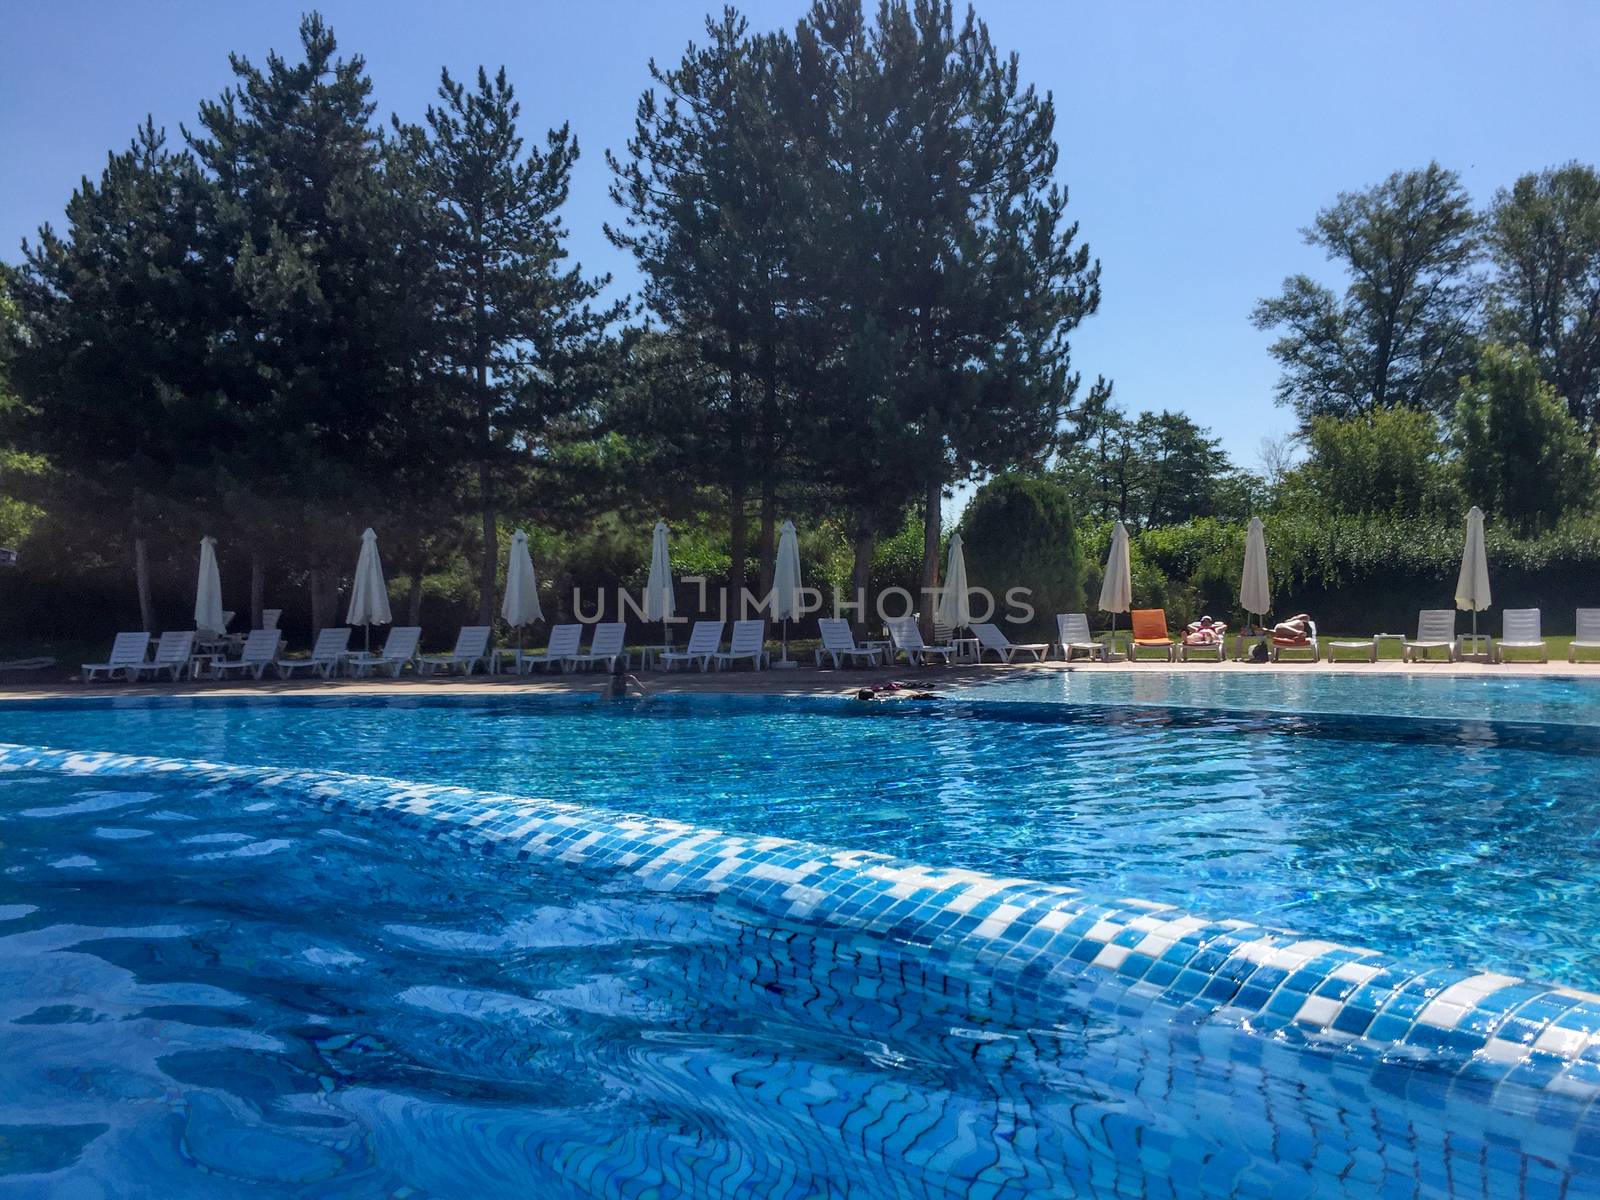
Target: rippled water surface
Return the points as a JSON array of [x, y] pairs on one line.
[[1470, 842], [1546, 698], [212, 993]]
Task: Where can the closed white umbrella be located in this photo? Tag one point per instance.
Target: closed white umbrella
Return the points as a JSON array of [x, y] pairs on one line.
[[208, 614], [521, 604], [955, 606], [1472, 585], [658, 589], [369, 595], [1116, 589], [1255, 589], [786, 585]]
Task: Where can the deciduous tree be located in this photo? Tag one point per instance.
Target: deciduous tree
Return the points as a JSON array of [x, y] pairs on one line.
[[1544, 241], [1401, 332], [1522, 456]]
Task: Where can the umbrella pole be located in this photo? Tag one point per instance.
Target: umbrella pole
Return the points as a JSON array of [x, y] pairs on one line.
[[784, 662]]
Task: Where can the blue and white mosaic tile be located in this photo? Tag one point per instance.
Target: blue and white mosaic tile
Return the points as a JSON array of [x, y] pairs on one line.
[[1024, 947]]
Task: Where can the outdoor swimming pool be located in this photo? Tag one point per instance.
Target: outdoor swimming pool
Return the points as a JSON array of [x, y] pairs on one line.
[[216, 979]]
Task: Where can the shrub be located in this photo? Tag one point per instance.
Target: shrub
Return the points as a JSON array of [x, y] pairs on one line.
[[1018, 531]]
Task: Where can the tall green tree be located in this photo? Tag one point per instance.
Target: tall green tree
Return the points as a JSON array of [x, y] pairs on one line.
[[713, 201], [111, 357], [520, 327], [970, 275], [20, 471], [1156, 469], [321, 328], [1543, 238], [1522, 456], [1401, 332]]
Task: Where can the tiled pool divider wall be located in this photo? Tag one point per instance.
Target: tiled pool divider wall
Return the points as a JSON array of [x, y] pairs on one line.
[[1034, 950]]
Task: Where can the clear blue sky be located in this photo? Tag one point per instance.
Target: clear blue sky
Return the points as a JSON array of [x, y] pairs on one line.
[[1196, 138]]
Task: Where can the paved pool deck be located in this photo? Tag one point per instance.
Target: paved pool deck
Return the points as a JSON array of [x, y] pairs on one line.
[[805, 680]]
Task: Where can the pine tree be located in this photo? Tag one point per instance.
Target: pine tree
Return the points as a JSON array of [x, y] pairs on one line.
[[111, 357], [712, 202], [520, 329], [323, 326], [962, 252]]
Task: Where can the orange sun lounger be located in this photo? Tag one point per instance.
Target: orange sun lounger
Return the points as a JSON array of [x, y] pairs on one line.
[[1150, 632]]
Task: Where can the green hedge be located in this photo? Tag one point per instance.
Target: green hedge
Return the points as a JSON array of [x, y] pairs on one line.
[[1357, 574]]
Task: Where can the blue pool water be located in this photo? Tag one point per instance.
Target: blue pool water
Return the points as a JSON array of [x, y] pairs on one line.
[[213, 993], [1549, 699], [203, 996], [1475, 843]]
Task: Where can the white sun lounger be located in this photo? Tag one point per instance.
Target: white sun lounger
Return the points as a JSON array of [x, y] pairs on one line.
[[259, 651], [174, 654], [1436, 630], [330, 649], [472, 649], [705, 639], [561, 650], [991, 639], [1520, 630], [1587, 634], [1072, 633], [906, 638], [1311, 643], [749, 640], [399, 648], [840, 644], [605, 646], [127, 652]]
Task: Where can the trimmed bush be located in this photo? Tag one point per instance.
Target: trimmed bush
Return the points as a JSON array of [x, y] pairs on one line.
[[1019, 532]]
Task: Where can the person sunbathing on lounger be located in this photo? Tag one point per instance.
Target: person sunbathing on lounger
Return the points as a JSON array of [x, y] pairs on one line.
[[1204, 632], [1295, 631]]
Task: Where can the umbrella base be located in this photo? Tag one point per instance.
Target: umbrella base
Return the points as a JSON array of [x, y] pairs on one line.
[[783, 664]]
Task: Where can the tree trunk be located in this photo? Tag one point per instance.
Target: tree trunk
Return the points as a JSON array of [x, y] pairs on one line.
[[258, 587], [141, 580], [490, 549], [932, 526], [766, 547], [861, 578], [736, 543], [319, 615], [414, 598]]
